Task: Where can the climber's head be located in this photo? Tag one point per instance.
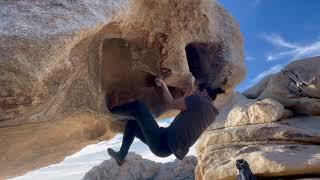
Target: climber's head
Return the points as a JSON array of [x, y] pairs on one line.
[[206, 90]]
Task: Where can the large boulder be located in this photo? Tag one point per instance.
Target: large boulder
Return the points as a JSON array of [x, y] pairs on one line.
[[285, 148], [297, 87], [235, 110], [275, 160], [137, 168], [267, 110], [276, 131], [59, 59]]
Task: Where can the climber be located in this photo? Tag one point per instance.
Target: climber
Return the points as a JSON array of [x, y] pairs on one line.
[[197, 113]]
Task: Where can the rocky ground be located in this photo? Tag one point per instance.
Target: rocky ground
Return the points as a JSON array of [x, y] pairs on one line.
[[137, 168]]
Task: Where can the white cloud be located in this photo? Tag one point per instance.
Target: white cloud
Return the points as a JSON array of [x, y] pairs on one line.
[[250, 58], [277, 40], [291, 50], [271, 70]]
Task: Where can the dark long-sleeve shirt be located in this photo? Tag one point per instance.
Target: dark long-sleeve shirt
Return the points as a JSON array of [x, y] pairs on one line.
[[188, 125]]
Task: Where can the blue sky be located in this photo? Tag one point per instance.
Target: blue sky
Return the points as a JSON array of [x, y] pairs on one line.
[[275, 33]]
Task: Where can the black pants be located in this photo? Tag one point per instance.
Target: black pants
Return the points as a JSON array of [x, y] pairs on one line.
[[143, 127]]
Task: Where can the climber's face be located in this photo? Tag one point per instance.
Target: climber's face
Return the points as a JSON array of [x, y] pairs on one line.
[[202, 93]]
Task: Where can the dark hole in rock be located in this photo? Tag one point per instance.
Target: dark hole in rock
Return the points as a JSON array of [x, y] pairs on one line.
[[206, 63], [129, 69], [117, 72]]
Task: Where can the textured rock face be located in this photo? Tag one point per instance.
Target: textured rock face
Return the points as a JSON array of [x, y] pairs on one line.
[[273, 140], [267, 160], [59, 59], [297, 87], [267, 110], [137, 168]]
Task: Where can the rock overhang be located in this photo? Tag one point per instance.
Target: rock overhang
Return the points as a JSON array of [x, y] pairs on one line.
[[52, 69]]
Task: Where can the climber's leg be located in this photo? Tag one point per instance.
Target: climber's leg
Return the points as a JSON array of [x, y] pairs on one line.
[[155, 137], [128, 137]]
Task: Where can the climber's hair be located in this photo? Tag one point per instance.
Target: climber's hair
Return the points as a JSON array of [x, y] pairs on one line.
[[212, 92]]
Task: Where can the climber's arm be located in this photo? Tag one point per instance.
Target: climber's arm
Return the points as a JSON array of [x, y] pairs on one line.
[[171, 103], [188, 91], [179, 104]]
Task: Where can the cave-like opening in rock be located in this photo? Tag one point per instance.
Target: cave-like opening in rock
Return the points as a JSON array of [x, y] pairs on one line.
[[206, 62], [129, 68], [119, 72], [196, 66]]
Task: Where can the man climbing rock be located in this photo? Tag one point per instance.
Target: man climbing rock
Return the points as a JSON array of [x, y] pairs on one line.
[[197, 113]]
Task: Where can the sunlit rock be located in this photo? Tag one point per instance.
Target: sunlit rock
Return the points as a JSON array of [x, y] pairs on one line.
[[59, 61], [138, 168], [297, 87], [276, 131]]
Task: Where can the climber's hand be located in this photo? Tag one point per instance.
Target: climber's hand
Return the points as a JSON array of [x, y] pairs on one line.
[[159, 82]]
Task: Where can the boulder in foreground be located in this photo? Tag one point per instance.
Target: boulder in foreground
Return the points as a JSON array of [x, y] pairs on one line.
[[274, 126], [136, 168]]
